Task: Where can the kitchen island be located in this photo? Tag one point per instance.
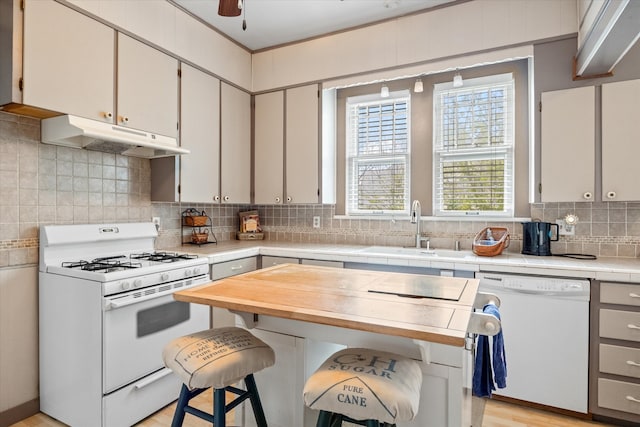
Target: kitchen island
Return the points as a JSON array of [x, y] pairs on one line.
[[308, 312]]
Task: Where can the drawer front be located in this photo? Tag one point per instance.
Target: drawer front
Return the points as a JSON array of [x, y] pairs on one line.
[[233, 268], [620, 360], [618, 293], [618, 324], [618, 395], [322, 263], [270, 261]]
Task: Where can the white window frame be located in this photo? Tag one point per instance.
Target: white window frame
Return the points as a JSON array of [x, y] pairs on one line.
[[503, 150], [353, 160]]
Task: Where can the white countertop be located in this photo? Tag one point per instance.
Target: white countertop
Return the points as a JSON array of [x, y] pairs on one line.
[[605, 268]]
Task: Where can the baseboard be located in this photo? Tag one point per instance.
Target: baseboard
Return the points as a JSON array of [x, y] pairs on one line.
[[19, 413]]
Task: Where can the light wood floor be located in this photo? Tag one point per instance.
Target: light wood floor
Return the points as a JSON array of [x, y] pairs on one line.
[[497, 414]]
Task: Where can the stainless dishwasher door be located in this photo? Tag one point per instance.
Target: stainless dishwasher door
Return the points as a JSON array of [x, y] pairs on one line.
[[545, 323]]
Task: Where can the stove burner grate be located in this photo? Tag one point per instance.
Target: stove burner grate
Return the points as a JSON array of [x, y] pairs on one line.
[[105, 264], [162, 256]]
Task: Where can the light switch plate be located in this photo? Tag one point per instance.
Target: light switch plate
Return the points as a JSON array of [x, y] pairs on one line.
[[316, 222]]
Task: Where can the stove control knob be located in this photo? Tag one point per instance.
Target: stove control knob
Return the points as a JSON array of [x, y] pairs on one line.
[[187, 272], [196, 271], [164, 277], [137, 283], [125, 285]]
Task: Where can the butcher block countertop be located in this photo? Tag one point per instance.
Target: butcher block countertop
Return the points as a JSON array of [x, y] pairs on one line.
[[426, 308]]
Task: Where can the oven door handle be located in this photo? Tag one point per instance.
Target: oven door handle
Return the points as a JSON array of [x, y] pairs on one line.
[[153, 378], [114, 303]]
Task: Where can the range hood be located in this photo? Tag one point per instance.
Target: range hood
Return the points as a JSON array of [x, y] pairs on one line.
[[79, 132]]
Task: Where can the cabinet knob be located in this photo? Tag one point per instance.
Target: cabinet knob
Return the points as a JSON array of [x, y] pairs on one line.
[[277, 199], [611, 195], [107, 115], [216, 198], [289, 199], [588, 195], [124, 119], [226, 198]]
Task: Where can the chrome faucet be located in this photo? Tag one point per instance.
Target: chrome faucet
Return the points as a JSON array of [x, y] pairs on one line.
[[415, 219]]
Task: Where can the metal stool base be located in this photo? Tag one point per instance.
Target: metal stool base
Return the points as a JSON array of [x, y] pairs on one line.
[[220, 407]]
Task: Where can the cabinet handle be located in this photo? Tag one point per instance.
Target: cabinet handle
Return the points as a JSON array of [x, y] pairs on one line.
[[633, 399], [632, 363], [277, 199], [587, 196], [124, 119], [107, 115], [289, 199], [216, 198], [632, 326], [611, 195], [632, 295], [226, 198], [236, 267]]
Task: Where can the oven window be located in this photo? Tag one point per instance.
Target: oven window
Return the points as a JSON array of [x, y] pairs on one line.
[[161, 317]]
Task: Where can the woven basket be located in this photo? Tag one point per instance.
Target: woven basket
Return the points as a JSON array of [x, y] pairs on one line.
[[483, 247], [195, 221], [200, 237]]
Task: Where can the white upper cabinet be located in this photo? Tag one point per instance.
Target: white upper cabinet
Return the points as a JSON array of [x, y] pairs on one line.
[[269, 148], [235, 145], [301, 142], [620, 140], [200, 133], [568, 145], [147, 88], [68, 61]]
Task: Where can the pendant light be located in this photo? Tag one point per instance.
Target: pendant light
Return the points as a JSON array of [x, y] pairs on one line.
[[384, 92], [418, 87], [229, 7], [457, 80]]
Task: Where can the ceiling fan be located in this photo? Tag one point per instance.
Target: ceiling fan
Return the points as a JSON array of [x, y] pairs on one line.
[[232, 8]]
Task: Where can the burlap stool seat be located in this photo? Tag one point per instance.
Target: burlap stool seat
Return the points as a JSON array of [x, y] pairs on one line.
[[217, 358], [365, 387]]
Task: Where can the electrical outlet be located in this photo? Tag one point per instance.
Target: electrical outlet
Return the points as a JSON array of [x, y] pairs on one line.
[[156, 221], [316, 222], [564, 229]]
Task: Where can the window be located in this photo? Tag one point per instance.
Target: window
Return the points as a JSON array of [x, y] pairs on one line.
[[378, 154], [473, 145]]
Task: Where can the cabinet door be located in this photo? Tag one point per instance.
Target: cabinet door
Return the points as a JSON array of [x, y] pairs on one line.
[[620, 140], [302, 136], [568, 145], [235, 145], [200, 133], [68, 61], [147, 88], [269, 148]]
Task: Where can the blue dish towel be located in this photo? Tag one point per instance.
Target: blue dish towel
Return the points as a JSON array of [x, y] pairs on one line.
[[483, 385]]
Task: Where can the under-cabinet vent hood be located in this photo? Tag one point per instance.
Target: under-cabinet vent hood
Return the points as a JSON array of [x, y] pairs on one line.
[[79, 132]]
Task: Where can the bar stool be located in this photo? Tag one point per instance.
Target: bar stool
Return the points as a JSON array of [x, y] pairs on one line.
[[217, 358], [366, 387]]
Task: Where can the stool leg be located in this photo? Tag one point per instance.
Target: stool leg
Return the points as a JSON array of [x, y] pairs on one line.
[[258, 412], [372, 423], [219, 413], [324, 419], [183, 400]]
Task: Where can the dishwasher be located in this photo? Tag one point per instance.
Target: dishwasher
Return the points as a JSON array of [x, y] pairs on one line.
[[545, 324]]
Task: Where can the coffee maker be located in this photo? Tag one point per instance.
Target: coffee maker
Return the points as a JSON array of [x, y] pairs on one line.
[[537, 237]]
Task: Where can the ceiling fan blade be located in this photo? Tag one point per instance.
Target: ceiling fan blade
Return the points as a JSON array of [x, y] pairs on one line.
[[228, 8]]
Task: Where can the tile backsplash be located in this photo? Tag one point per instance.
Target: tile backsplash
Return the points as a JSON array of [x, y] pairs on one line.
[[47, 184]]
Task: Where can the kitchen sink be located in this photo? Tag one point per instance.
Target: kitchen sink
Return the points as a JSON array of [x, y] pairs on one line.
[[394, 250]]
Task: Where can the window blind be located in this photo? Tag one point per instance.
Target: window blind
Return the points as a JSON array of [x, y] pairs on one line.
[[378, 142]]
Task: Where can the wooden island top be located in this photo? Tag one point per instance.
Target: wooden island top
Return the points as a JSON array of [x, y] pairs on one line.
[[372, 301]]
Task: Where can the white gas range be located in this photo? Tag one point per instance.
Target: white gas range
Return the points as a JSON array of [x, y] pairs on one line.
[[106, 312]]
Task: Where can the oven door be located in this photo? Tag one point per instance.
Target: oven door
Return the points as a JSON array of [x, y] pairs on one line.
[[137, 325]]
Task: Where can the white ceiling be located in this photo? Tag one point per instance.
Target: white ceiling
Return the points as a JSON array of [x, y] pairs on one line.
[[276, 22]]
